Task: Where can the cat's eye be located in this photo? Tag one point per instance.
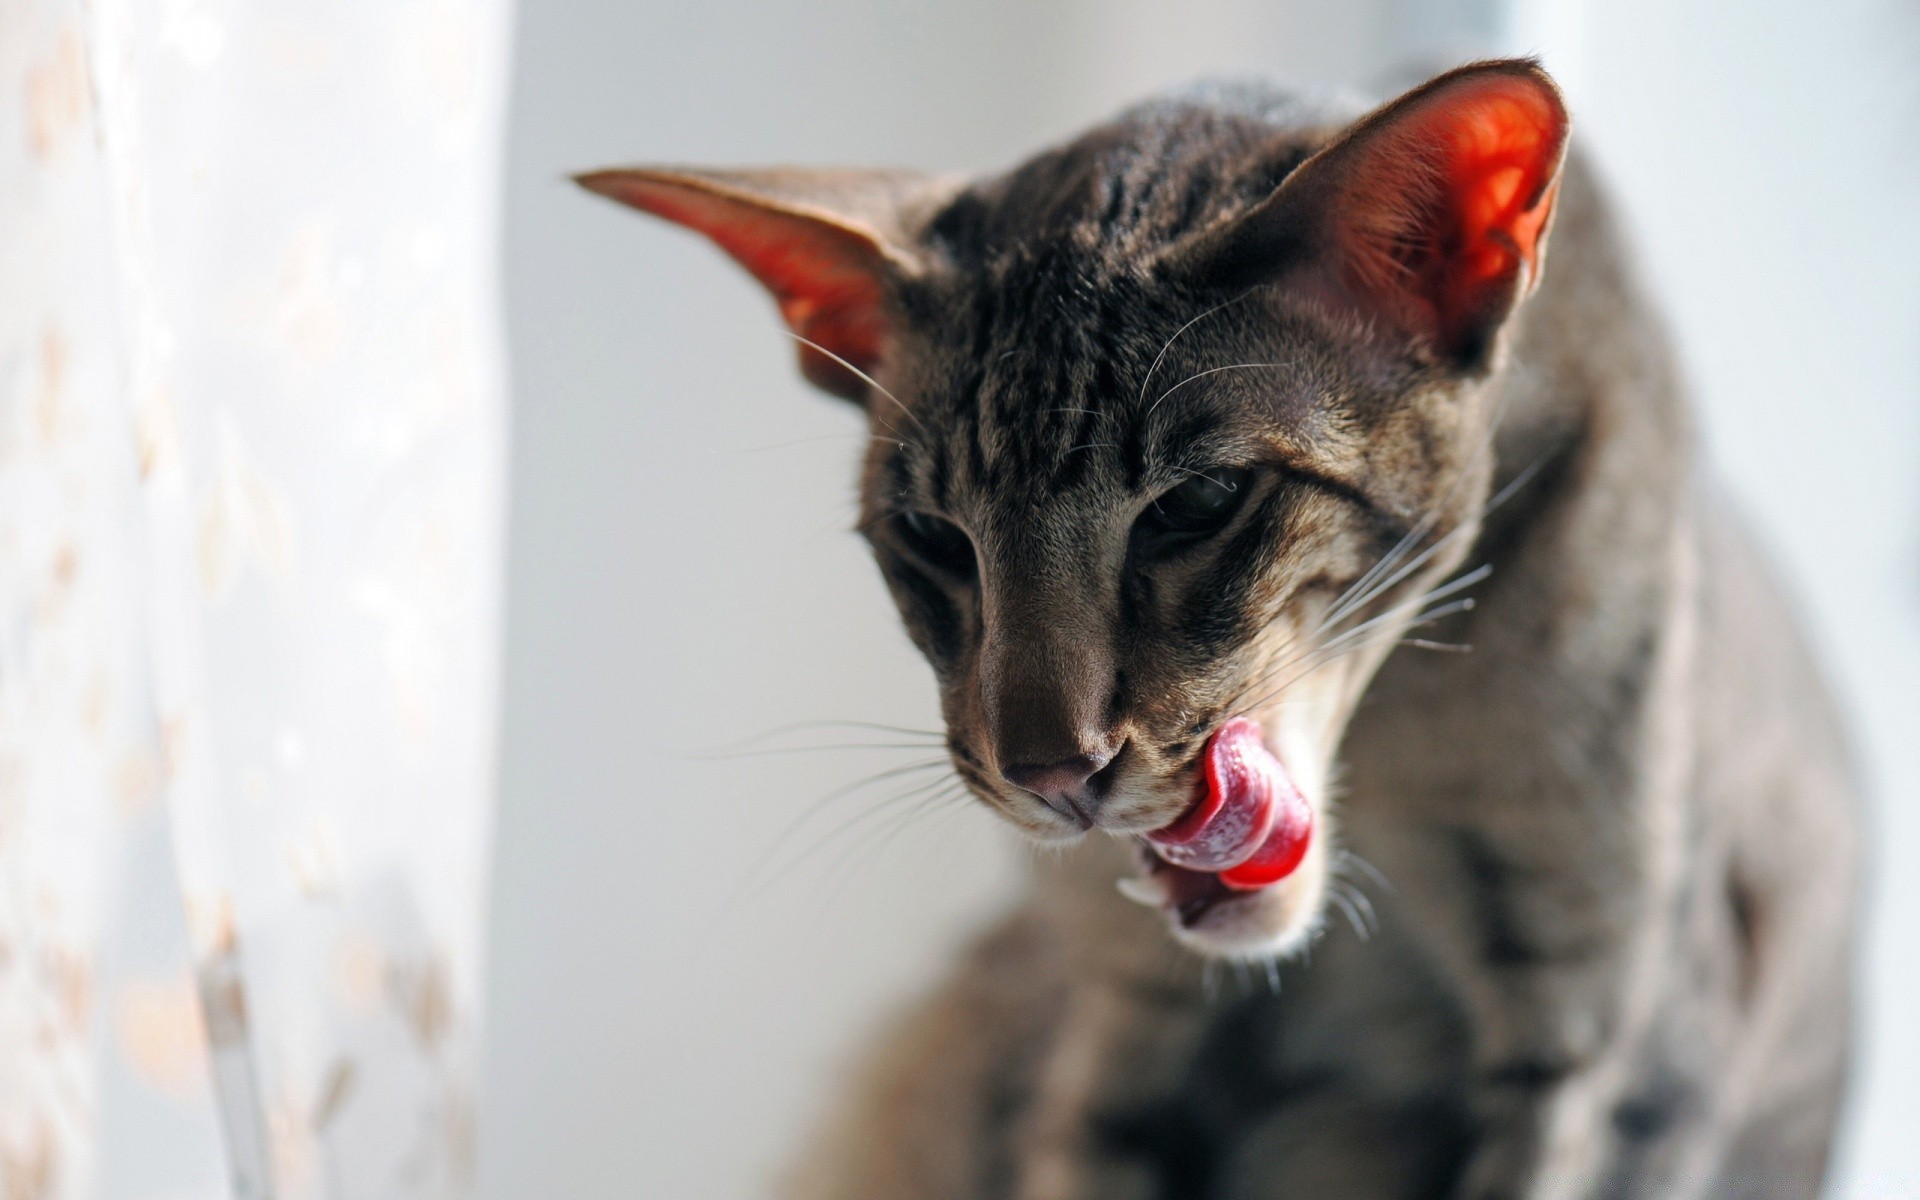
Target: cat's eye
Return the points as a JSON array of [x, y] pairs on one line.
[[1201, 504], [937, 542]]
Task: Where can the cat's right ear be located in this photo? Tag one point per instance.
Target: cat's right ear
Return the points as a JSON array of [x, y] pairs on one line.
[[1429, 215], [828, 244]]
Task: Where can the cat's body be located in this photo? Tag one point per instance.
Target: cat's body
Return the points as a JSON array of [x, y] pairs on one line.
[[1609, 853]]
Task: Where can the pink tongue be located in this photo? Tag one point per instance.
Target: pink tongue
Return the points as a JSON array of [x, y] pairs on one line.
[[1252, 825]]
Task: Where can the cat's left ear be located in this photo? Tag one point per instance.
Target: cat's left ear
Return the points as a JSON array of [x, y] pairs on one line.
[[828, 244], [1430, 213]]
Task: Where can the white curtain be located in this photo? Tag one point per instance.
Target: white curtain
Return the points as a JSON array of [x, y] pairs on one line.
[[251, 426]]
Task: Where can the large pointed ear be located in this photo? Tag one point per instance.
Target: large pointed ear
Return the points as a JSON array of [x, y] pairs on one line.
[[826, 243], [1432, 212]]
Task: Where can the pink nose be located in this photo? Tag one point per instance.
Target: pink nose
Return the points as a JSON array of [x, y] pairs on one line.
[[1067, 785]]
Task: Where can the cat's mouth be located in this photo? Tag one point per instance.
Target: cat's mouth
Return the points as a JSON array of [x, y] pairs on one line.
[[1249, 824], [1217, 870]]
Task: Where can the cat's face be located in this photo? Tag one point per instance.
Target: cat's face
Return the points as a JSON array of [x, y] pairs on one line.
[[1104, 563], [1175, 425]]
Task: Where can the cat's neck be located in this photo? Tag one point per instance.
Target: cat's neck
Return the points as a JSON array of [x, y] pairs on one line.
[[1587, 556]]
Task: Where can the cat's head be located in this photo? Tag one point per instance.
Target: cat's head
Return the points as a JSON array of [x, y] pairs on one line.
[[1178, 423]]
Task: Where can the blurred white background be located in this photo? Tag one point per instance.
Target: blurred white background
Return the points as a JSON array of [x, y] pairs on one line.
[[663, 1017]]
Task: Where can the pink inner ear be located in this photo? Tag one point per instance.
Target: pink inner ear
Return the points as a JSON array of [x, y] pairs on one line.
[[1503, 148], [1453, 196], [826, 278]]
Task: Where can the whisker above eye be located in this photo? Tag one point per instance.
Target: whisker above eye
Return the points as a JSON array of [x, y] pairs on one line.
[[1158, 358], [1212, 371], [1190, 473]]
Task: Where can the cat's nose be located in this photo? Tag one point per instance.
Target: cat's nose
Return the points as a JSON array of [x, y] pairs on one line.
[[1067, 785]]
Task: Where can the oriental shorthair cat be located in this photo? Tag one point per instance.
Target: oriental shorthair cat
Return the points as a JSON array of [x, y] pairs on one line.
[[1291, 534]]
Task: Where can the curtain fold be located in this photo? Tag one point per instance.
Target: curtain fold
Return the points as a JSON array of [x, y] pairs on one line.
[[251, 446]]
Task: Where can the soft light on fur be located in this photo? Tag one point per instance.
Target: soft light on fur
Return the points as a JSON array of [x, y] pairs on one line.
[[1580, 796]]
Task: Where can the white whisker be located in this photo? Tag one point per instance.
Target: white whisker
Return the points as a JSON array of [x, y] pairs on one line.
[[1148, 377], [1361, 590], [1339, 647], [1211, 371], [870, 380], [1349, 859], [1337, 896]]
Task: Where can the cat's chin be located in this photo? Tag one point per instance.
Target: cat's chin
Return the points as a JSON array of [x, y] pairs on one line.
[[1218, 921]]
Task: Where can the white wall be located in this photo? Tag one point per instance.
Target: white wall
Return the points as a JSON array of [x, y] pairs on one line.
[[1769, 156], [662, 1016]]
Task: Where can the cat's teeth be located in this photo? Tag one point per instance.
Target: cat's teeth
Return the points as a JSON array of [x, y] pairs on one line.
[[1149, 892]]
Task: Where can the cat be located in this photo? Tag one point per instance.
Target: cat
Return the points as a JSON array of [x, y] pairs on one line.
[[1246, 446]]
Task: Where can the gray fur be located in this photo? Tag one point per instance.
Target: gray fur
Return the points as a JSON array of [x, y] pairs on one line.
[[1600, 868]]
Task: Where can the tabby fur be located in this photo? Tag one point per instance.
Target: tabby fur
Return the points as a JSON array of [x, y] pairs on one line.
[[1598, 869]]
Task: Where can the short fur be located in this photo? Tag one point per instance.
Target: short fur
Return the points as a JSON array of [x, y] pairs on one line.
[[1599, 867]]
